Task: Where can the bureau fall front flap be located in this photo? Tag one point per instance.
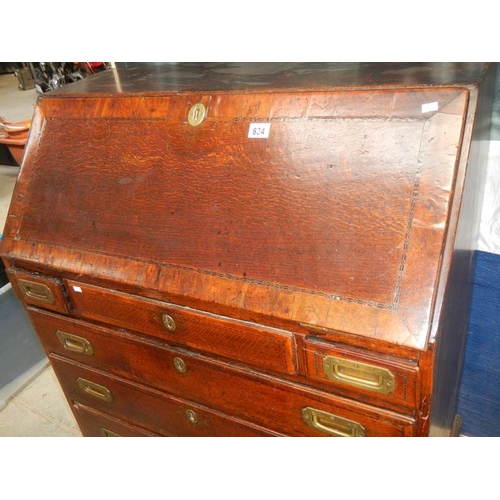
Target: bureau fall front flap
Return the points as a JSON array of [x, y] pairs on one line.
[[330, 211]]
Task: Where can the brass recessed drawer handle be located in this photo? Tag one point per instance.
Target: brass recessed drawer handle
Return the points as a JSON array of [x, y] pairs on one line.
[[75, 343], [168, 322], [107, 433], [332, 424], [36, 291], [95, 390], [358, 374]]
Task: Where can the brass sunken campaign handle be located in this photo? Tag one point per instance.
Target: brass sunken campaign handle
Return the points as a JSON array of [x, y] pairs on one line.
[[95, 390], [75, 343], [36, 291], [332, 424], [358, 374]]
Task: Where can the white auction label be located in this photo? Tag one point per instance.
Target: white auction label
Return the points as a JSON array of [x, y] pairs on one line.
[[77, 289], [429, 107], [259, 130]]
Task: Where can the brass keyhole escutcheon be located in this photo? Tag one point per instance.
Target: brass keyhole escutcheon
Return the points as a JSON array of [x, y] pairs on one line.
[[191, 416], [180, 366], [168, 322], [197, 114]]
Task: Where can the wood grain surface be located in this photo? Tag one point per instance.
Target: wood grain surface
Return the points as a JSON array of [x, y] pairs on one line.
[[348, 231], [341, 212]]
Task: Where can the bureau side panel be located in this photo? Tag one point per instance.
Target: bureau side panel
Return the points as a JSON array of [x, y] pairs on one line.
[[450, 324]]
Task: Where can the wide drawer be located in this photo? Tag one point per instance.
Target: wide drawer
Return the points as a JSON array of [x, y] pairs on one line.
[[377, 379], [39, 290], [163, 414], [264, 400], [94, 423], [265, 348]]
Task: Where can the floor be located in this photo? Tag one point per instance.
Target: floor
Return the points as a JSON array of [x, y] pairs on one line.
[[38, 407]]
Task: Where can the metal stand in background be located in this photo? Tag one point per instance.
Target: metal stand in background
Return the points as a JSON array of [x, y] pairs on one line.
[[25, 79]]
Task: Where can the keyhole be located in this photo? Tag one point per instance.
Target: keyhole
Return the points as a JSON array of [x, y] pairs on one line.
[[196, 114]]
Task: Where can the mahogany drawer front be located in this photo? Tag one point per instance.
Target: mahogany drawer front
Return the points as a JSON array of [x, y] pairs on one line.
[[263, 400], [144, 360], [94, 423], [264, 407], [261, 347], [366, 377], [162, 413], [42, 291]]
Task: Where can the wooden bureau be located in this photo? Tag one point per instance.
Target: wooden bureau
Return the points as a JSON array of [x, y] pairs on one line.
[[254, 249]]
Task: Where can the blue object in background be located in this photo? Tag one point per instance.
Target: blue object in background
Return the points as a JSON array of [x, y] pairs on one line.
[[479, 396]]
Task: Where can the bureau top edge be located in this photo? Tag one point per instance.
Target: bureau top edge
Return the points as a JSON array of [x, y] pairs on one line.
[[274, 77]]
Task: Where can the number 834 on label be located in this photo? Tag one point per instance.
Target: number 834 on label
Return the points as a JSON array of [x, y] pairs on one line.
[[259, 130]]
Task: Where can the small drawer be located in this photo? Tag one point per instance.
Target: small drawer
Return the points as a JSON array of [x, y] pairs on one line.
[[94, 423], [264, 400], [364, 376], [264, 348], [147, 408], [38, 290], [257, 407]]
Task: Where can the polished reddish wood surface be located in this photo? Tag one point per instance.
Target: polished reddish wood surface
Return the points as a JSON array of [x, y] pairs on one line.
[[112, 353], [267, 348], [58, 300], [151, 361], [348, 232], [97, 424], [208, 208], [149, 408], [214, 384], [406, 374], [279, 406]]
